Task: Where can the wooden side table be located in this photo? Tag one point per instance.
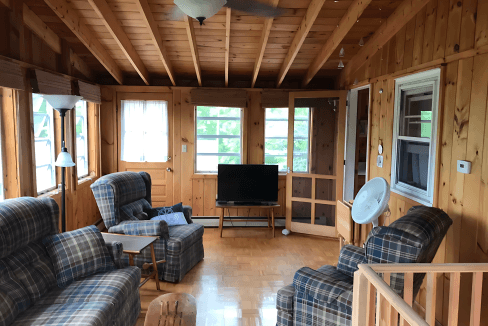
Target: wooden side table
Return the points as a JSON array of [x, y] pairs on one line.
[[133, 245], [270, 208], [172, 309]]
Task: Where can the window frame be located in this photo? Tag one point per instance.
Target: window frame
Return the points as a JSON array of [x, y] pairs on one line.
[[87, 143], [286, 137], [428, 78], [241, 138], [53, 150]]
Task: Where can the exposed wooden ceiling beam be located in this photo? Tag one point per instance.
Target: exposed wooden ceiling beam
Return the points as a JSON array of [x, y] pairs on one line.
[[262, 45], [72, 20], [353, 13], [156, 37], [52, 40], [108, 18], [401, 16], [300, 36], [190, 30], [227, 45]]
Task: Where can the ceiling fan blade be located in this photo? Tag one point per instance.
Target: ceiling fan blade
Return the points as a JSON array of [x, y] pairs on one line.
[[176, 14], [255, 8]]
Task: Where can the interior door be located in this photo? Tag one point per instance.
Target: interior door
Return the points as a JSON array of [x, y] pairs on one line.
[[315, 160], [161, 172]]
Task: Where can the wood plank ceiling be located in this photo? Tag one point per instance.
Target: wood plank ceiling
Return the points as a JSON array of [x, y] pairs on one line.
[[260, 52]]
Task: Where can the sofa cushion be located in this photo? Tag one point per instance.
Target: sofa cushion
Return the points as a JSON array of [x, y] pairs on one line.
[[182, 237], [33, 268], [113, 286], [135, 211], [324, 284], [14, 298], [83, 313], [23, 220], [77, 254]]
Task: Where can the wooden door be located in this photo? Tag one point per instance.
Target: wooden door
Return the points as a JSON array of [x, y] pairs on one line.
[[314, 182], [161, 172]]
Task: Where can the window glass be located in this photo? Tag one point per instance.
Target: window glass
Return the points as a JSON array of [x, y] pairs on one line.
[[301, 137], [44, 143], [145, 131], [218, 133], [276, 137], [416, 113], [81, 139]]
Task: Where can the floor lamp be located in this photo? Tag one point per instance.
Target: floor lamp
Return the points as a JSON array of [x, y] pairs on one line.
[[63, 103]]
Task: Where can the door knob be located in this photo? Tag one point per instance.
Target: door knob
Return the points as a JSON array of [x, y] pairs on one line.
[[168, 169], [169, 158]]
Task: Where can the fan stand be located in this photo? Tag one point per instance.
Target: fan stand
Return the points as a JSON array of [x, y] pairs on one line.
[[386, 211]]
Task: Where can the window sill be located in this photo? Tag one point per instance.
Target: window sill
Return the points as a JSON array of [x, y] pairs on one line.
[[85, 179], [420, 201], [49, 193]]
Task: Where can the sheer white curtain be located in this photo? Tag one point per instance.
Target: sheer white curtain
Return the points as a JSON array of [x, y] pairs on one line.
[[144, 131]]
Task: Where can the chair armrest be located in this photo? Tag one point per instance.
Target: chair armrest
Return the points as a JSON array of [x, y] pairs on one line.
[[154, 228], [115, 249], [349, 259], [321, 286], [188, 211], [390, 245], [284, 305]]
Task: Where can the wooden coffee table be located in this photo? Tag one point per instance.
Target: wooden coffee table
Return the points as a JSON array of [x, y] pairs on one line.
[[133, 245]]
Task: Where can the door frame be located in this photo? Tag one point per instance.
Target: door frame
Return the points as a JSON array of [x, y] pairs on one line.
[[338, 166]]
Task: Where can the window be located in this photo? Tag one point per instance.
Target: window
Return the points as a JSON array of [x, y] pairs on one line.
[[218, 134], [301, 140], [44, 143], [81, 139], [144, 131], [276, 137], [414, 135]]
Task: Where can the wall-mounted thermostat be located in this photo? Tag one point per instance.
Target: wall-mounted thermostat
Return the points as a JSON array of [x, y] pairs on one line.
[[464, 167]]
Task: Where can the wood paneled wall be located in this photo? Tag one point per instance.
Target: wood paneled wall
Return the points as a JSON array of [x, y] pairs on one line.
[[197, 190], [451, 35]]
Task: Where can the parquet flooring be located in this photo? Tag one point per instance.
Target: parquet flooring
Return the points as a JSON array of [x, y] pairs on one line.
[[237, 282]]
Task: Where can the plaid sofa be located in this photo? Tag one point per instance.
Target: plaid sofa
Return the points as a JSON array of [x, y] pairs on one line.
[[324, 296], [124, 200], [28, 291]]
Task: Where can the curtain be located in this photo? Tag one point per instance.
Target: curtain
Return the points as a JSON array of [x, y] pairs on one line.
[[144, 134]]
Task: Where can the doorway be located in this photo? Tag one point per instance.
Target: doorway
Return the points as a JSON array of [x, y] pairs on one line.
[[357, 140]]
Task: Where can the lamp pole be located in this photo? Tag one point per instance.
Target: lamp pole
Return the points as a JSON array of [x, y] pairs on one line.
[[62, 114]]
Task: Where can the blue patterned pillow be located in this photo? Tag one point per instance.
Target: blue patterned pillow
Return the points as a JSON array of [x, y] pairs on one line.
[[172, 218], [77, 254]]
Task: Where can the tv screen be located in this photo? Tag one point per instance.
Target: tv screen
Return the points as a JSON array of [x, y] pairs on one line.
[[251, 183]]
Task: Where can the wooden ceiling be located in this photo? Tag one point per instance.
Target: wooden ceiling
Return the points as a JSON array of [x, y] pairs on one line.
[[253, 50]]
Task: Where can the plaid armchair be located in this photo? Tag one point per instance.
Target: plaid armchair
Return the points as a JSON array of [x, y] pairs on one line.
[[324, 296], [124, 200]]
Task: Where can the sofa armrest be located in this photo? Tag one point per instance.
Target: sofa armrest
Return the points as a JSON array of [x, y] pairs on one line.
[[323, 287], [349, 259], [151, 228], [115, 249], [390, 245], [284, 305]]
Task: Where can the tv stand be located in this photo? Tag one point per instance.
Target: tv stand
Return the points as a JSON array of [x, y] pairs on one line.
[[269, 206]]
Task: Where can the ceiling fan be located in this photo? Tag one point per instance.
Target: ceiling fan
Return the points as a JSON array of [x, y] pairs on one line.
[[203, 9]]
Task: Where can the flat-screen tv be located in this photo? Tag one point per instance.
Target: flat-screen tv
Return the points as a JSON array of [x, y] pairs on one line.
[[248, 183]]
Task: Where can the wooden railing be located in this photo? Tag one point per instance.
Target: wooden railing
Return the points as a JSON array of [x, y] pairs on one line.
[[375, 303]]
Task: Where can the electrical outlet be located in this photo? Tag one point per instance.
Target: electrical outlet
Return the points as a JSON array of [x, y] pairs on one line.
[[464, 167], [379, 161], [183, 148]]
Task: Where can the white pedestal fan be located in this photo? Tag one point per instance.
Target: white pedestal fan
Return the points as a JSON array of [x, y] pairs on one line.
[[371, 201]]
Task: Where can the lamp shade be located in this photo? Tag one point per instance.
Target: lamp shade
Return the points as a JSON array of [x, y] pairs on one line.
[[199, 9], [62, 101], [64, 160]]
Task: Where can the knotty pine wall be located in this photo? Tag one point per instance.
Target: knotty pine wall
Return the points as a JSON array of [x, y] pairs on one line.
[[197, 190], [451, 35]]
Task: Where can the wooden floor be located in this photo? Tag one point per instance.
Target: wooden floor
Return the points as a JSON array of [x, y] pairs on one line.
[[236, 283]]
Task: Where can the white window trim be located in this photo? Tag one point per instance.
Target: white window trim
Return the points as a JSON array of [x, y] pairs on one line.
[[426, 78], [241, 134]]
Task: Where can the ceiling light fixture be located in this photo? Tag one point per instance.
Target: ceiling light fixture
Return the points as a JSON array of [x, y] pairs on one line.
[[361, 42], [342, 53], [341, 65]]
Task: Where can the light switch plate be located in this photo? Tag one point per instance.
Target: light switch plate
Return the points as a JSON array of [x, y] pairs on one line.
[[183, 148], [464, 167], [379, 161]]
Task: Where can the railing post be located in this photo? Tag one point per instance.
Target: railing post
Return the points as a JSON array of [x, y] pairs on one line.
[[360, 297]]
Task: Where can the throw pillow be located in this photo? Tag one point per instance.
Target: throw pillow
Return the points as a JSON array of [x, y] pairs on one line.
[[172, 219], [77, 254], [177, 208]]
